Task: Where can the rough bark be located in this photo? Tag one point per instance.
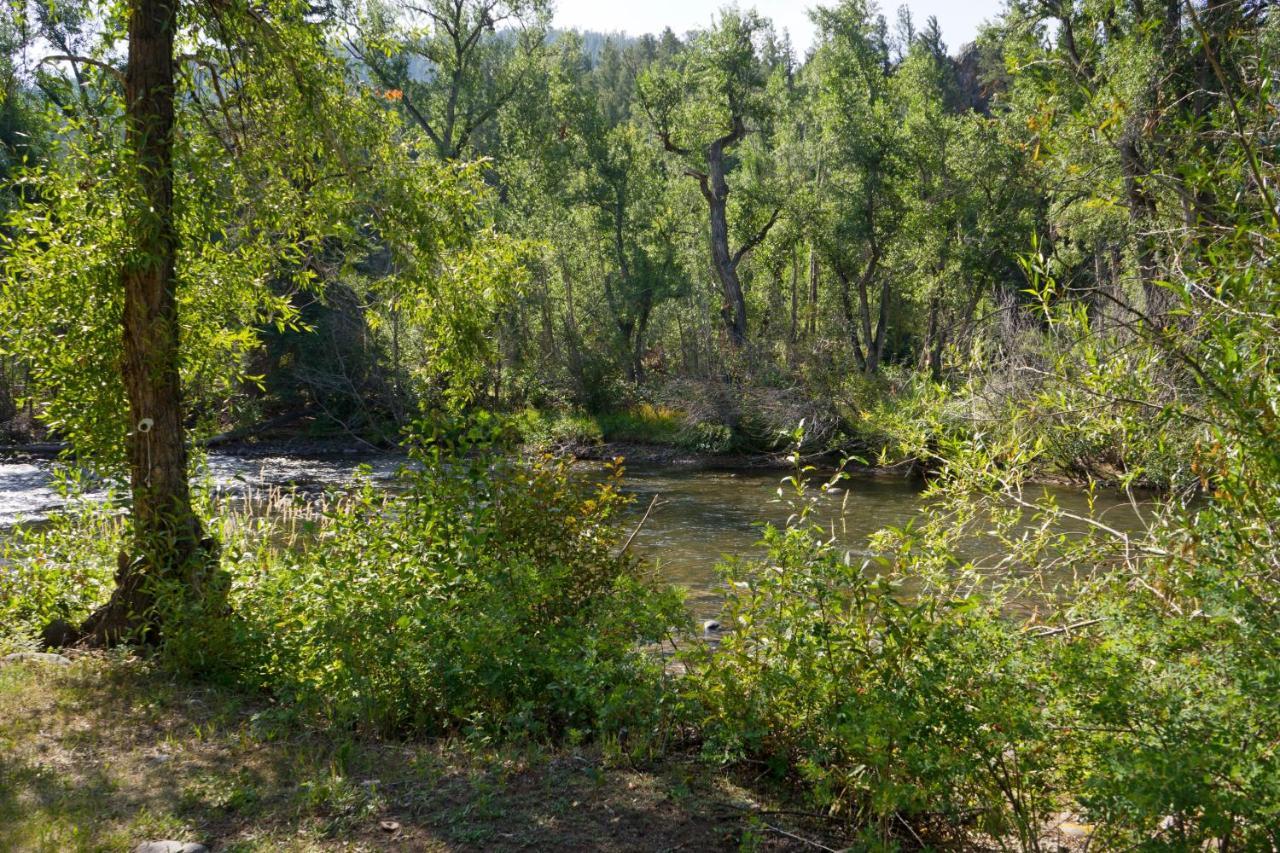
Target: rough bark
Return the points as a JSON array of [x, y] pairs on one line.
[[934, 339], [715, 188], [724, 261], [793, 332], [811, 320], [168, 546], [643, 312]]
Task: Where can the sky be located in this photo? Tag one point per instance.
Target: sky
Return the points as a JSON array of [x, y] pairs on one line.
[[959, 19]]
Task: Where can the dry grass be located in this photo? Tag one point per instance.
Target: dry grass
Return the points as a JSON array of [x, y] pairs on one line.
[[107, 752]]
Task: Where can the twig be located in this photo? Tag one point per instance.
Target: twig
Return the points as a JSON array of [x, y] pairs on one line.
[[627, 544], [97, 63], [786, 813], [1065, 628], [809, 841], [911, 830]]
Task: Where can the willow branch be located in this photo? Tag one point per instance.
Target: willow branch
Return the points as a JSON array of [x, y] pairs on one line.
[[67, 57]]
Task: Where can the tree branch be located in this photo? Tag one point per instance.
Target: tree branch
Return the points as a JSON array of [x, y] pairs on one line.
[[66, 57], [758, 238], [390, 83]]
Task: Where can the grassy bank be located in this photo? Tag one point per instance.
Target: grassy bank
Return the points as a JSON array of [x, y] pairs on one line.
[[108, 752]]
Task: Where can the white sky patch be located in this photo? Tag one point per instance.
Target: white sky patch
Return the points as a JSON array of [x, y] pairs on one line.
[[959, 19]]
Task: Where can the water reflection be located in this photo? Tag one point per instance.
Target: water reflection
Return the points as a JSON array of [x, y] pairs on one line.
[[703, 516]]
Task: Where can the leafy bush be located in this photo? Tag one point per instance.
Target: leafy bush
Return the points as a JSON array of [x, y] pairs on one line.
[[1171, 702], [556, 429], [487, 595], [59, 569], [890, 711]]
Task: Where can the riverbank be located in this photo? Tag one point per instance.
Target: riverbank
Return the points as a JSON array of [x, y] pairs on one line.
[[639, 453], [105, 753]]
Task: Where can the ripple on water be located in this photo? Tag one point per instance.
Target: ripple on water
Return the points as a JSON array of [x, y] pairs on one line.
[[27, 491]]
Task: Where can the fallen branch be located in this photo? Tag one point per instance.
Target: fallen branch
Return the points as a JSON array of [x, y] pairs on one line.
[[627, 544], [809, 841], [254, 429]]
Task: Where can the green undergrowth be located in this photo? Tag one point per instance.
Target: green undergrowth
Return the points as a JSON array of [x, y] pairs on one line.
[[59, 569], [1121, 681], [639, 424], [486, 594], [481, 593]]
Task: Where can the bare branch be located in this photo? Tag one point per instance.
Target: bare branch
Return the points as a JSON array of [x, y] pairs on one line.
[[97, 63]]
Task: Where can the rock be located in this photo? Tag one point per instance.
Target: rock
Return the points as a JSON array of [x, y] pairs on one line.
[[170, 847], [37, 657], [711, 626]]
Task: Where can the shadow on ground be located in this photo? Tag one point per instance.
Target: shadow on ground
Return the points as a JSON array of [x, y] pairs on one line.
[[105, 753]]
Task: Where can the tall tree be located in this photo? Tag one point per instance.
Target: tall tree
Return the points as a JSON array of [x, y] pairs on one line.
[[858, 120], [168, 540], [703, 104]]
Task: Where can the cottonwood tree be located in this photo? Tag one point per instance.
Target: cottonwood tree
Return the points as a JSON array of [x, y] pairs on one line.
[[142, 266], [572, 149], [859, 201], [452, 64], [1110, 83], [169, 543], [702, 105]]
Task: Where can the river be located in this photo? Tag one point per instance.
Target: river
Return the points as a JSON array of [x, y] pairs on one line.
[[701, 514]]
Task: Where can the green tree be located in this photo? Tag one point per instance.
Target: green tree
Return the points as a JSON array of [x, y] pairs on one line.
[[702, 104], [447, 62], [858, 120], [145, 261]]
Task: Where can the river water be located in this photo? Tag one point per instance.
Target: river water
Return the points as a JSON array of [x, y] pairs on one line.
[[701, 514]]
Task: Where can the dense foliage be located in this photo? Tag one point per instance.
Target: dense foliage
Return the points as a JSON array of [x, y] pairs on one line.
[[1051, 253], [485, 594]]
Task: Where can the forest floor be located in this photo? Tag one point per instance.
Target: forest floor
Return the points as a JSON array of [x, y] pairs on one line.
[[105, 753]]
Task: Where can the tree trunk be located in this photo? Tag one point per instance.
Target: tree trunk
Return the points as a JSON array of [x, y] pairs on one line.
[[643, 312], [811, 321], [793, 334], [934, 340], [850, 320], [169, 549], [875, 347], [868, 347], [734, 307]]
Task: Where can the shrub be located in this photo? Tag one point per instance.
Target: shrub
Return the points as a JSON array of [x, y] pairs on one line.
[[556, 430], [1172, 696], [488, 594], [892, 712], [58, 569]]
